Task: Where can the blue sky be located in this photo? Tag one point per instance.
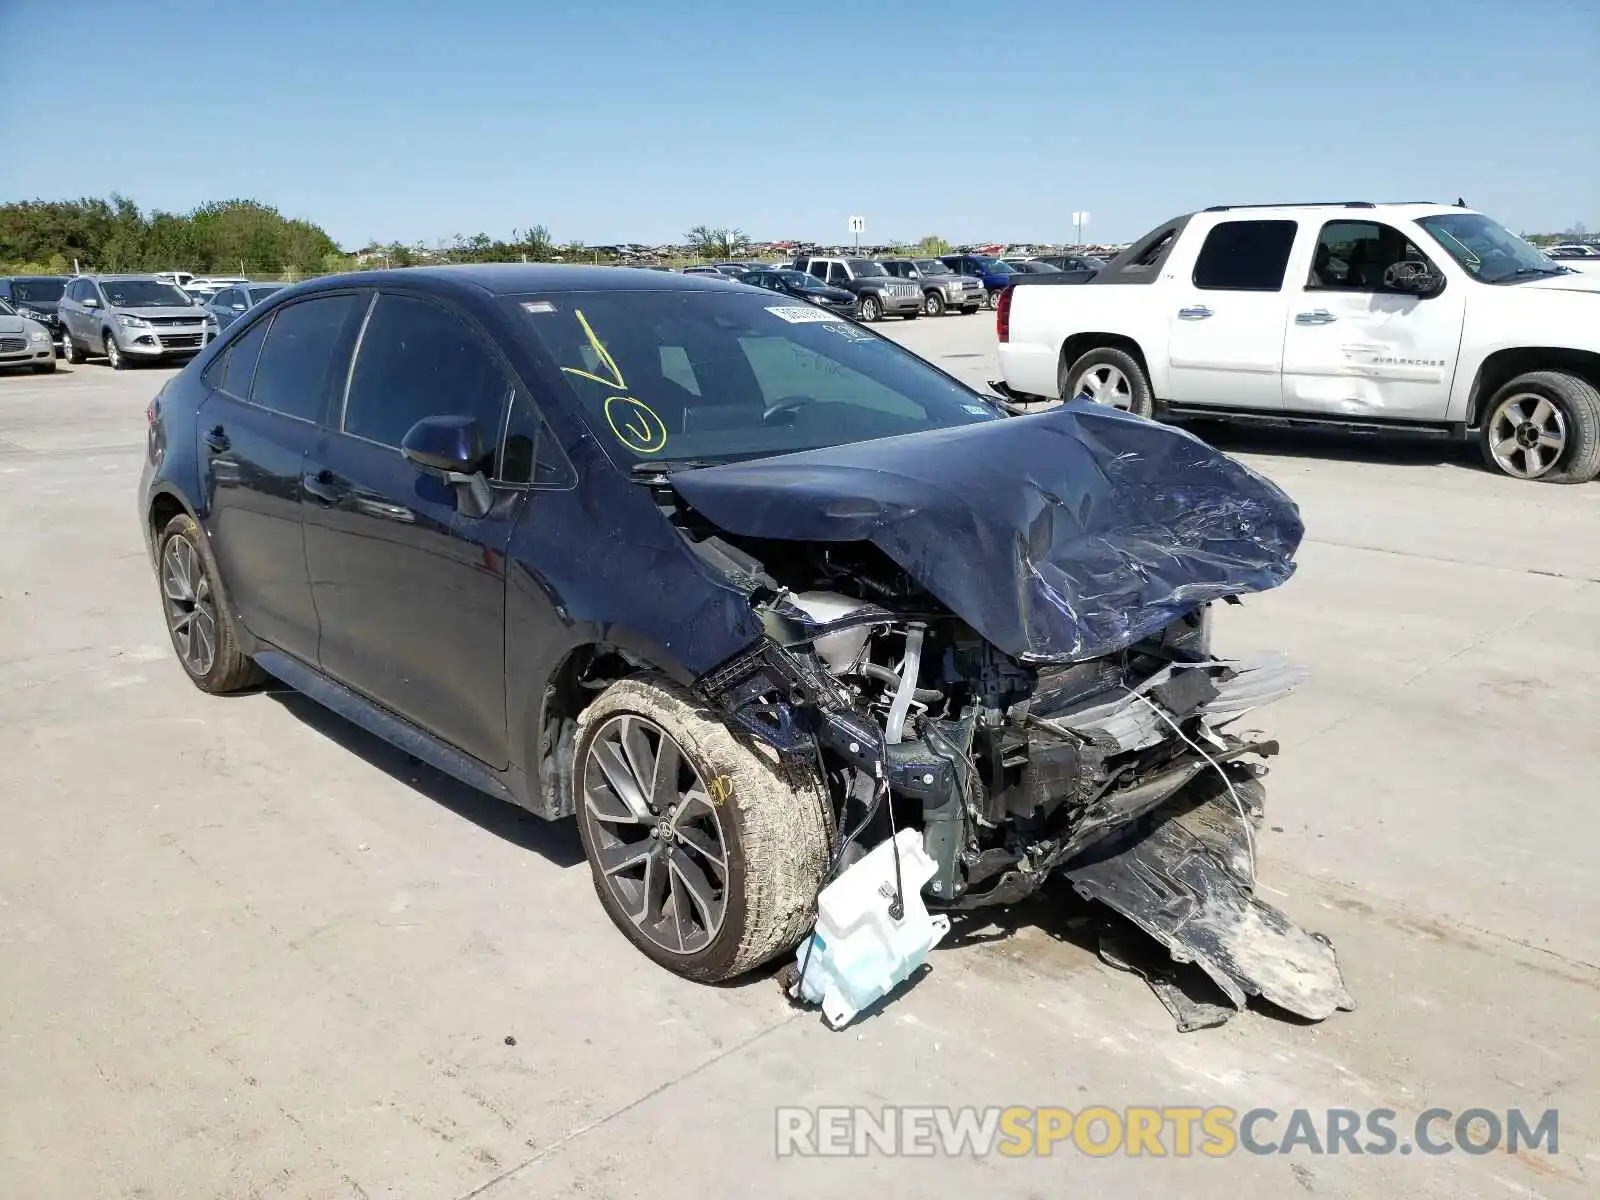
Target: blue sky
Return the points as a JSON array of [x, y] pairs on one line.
[[634, 120]]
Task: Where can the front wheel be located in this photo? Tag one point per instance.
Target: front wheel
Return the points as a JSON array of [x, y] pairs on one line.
[[114, 354], [707, 850], [933, 304], [69, 349], [1544, 426], [871, 308], [1111, 377], [993, 299]]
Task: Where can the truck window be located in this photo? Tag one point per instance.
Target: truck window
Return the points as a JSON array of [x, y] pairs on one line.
[[1245, 256], [819, 269], [1353, 256]]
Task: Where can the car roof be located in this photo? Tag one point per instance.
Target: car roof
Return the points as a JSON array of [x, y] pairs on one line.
[[1353, 210], [123, 278], [27, 278], [512, 279]]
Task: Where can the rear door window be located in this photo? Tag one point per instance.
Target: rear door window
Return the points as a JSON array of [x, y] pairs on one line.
[[240, 361], [1245, 256], [306, 349]]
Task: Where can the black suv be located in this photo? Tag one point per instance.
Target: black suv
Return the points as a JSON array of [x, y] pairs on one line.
[[736, 581]]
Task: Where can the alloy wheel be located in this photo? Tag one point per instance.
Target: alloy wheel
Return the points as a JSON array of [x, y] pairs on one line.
[[191, 610], [1527, 435], [658, 838], [1104, 384], [113, 351], [869, 308], [933, 305]]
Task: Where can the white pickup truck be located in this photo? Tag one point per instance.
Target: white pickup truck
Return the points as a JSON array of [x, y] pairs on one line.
[[1377, 318]]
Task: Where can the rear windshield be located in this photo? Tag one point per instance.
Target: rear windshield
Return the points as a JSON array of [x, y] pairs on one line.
[[258, 294], [143, 293], [667, 376], [38, 291]]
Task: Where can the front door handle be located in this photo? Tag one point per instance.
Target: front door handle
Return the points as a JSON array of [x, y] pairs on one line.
[[216, 440], [1317, 316], [324, 488], [1195, 312]]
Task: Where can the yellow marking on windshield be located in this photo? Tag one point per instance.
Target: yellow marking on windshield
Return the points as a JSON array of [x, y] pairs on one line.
[[616, 379], [636, 424]]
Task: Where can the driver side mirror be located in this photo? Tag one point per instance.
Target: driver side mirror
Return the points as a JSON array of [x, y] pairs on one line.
[[1418, 279], [90, 302], [451, 449]]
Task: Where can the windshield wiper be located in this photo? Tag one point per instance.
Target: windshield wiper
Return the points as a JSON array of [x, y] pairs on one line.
[[1525, 272], [661, 468]]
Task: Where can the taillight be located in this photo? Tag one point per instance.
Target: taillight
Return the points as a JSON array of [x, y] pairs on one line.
[[1002, 316]]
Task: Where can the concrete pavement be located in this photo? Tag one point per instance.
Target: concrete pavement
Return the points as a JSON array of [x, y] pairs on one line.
[[247, 950]]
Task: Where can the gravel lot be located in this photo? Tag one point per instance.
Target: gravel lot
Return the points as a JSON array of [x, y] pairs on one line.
[[247, 950]]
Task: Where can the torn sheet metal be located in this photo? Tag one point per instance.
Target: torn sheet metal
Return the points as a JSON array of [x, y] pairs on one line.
[[1077, 530], [1174, 885]]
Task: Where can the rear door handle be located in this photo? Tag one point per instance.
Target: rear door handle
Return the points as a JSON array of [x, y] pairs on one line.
[[1196, 312], [216, 440], [324, 487], [1317, 316]]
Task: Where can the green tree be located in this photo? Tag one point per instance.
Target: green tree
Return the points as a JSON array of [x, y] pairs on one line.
[[932, 246], [717, 243]]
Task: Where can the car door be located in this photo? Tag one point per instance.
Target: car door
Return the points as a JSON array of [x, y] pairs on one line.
[[1225, 323], [409, 590], [267, 392], [1354, 345], [71, 308]]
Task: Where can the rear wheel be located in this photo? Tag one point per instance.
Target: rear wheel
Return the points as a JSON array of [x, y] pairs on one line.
[[707, 851], [44, 368], [1111, 377], [197, 617], [933, 304], [114, 353], [1544, 426], [871, 308], [993, 299]]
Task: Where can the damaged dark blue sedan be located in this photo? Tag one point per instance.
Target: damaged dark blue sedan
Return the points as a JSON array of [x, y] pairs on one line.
[[743, 586]]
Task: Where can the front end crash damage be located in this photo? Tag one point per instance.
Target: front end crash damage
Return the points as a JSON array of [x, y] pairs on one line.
[[1000, 635]]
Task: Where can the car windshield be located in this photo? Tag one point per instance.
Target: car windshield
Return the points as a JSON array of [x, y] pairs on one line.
[[932, 266], [258, 294], [6, 310], [863, 268], [995, 267], [143, 293], [38, 291], [1486, 249], [716, 377]]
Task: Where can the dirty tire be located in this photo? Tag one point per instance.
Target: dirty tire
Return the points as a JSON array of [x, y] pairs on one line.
[[777, 825], [1578, 404], [1140, 401], [230, 670]]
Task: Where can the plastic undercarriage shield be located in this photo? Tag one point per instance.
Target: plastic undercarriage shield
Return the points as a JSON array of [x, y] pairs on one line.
[[1187, 883]]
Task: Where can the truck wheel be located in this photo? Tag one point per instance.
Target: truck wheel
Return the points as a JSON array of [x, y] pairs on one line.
[[871, 308], [933, 304], [707, 850], [1110, 377], [1544, 425]]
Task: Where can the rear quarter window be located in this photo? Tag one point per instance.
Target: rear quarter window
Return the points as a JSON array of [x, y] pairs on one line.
[[1245, 256]]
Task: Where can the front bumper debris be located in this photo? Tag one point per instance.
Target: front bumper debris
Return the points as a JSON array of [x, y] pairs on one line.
[[1189, 883]]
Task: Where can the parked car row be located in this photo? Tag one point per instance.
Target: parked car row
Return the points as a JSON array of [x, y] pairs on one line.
[[123, 318]]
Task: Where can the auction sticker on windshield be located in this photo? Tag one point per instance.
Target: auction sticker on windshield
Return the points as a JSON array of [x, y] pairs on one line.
[[802, 314]]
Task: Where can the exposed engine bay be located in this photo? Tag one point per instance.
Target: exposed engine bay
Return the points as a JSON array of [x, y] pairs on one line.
[[1014, 771]]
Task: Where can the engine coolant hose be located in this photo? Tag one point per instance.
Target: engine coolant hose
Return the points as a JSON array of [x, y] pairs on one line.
[[885, 676]]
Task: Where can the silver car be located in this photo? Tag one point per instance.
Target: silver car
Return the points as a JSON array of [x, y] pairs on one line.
[[131, 318], [24, 342]]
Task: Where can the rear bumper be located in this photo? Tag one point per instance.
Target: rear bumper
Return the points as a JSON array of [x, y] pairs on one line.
[[1029, 368]]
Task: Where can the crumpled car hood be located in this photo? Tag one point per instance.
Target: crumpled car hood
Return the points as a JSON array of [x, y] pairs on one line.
[[1060, 535]]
